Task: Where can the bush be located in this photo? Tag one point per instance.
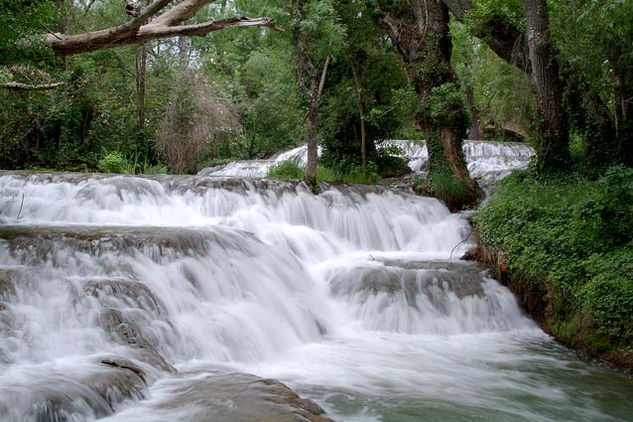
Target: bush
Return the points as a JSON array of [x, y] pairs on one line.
[[286, 170], [573, 236], [115, 162]]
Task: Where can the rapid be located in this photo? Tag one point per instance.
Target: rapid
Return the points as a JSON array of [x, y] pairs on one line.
[[180, 298]]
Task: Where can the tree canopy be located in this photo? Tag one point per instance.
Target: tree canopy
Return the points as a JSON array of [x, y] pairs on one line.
[[70, 98]]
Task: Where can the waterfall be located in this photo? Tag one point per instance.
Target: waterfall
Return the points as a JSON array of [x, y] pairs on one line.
[[153, 298], [487, 161]]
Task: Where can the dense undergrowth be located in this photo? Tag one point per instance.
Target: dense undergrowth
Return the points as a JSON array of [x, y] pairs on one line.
[[571, 240]]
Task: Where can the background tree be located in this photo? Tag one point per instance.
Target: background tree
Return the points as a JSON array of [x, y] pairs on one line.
[[420, 32], [316, 36]]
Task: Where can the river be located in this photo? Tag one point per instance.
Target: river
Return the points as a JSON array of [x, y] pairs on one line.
[[129, 298]]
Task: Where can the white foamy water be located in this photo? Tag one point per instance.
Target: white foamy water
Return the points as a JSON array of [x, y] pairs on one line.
[[487, 161], [353, 297]]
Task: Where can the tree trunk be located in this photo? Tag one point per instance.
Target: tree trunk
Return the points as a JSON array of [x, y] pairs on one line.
[[183, 53], [552, 130], [311, 165], [623, 86], [361, 114], [142, 85], [473, 133], [420, 32], [312, 82]]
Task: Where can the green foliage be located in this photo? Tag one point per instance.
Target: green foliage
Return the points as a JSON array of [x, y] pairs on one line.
[[21, 23], [288, 170], [445, 108], [271, 109], [285, 170], [487, 15], [115, 162], [501, 92], [574, 236]]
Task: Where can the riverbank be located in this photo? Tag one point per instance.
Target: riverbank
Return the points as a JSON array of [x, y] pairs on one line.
[[565, 247]]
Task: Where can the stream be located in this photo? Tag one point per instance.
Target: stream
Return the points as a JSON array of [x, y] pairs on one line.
[[181, 298]]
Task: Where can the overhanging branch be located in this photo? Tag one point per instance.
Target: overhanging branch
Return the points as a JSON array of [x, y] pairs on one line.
[[138, 30]]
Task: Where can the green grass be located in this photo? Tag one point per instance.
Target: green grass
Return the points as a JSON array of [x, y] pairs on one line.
[[574, 237], [288, 170]]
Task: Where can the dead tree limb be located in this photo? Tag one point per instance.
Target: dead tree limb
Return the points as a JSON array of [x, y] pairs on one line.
[[140, 29], [19, 86]]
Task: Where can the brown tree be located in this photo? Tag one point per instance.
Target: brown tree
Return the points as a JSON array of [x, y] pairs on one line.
[[419, 30], [552, 124], [534, 54]]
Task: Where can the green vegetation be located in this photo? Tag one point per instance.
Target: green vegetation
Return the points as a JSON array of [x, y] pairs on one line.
[[288, 170], [570, 238], [115, 162], [346, 75]]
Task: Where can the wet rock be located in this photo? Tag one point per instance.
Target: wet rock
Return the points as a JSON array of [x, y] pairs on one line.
[[238, 397], [472, 254], [127, 331], [123, 381], [118, 362], [7, 282], [132, 293], [31, 243], [411, 278]]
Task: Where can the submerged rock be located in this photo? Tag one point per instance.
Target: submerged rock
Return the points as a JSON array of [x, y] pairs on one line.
[[239, 397], [411, 278], [127, 331], [71, 394], [7, 283], [133, 293]]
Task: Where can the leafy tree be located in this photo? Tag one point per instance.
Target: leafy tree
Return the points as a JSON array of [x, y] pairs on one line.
[[420, 32]]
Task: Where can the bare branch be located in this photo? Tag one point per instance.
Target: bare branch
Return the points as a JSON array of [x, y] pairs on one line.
[[202, 29], [181, 12], [19, 86], [323, 76], [99, 40], [139, 30]]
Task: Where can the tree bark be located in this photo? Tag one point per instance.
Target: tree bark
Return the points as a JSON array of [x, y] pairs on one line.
[[505, 39], [552, 129], [420, 32], [311, 81]]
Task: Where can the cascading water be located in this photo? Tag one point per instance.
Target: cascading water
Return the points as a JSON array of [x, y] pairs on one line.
[[487, 161], [152, 299]]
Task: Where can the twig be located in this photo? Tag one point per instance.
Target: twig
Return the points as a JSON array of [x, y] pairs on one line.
[[21, 205], [462, 241], [51, 32]]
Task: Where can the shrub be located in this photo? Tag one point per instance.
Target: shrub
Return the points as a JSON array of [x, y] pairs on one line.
[[115, 162], [574, 236], [286, 170]]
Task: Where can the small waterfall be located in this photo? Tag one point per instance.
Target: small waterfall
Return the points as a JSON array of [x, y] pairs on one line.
[[487, 161], [151, 298]]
